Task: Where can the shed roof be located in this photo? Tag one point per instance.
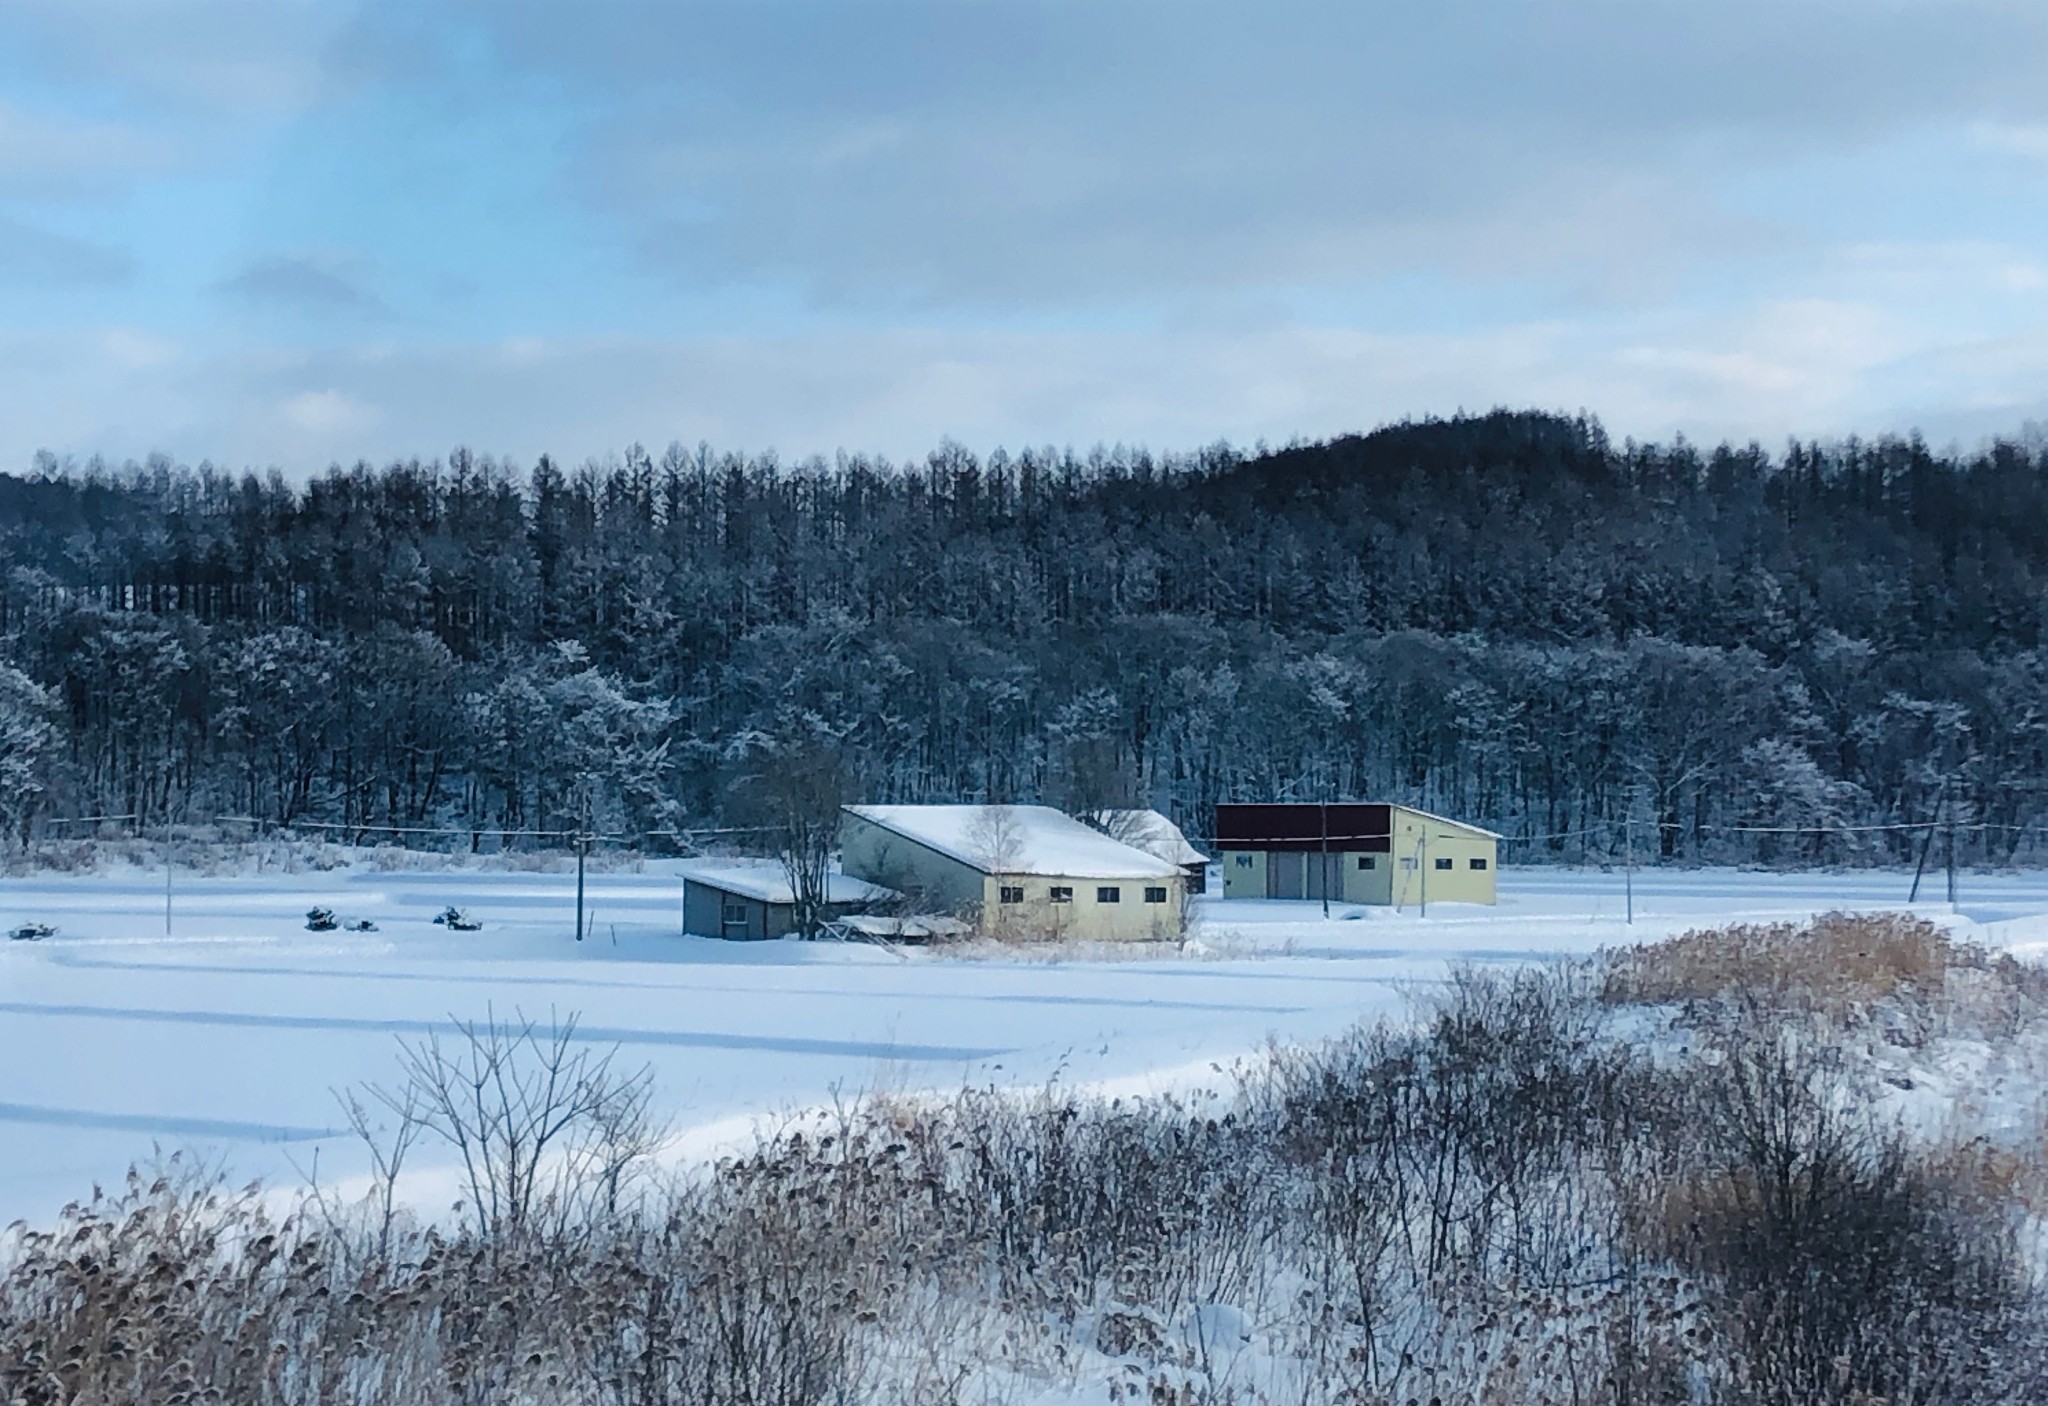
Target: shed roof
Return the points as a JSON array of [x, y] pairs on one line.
[[1009, 839], [1151, 832], [766, 881]]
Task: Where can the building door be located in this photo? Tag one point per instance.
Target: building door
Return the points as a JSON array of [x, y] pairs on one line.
[[1286, 874], [733, 920], [1325, 876]]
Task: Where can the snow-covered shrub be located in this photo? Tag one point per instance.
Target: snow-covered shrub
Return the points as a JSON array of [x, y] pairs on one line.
[[1513, 1199]]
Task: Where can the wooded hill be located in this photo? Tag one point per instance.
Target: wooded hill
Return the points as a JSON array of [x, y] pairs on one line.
[[1504, 617]]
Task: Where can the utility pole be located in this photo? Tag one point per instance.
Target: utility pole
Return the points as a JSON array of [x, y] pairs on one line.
[[1325, 809], [1423, 907], [1927, 843], [582, 848], [1951, 847], [1628, 849]]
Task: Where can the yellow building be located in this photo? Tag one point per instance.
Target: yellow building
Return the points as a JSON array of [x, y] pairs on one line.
[[1025, 871], [1354, 853]]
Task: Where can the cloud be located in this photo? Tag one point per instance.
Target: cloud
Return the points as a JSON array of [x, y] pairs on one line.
[[328, 414], [30, 254], [57, 155], [187, 57], [306, 283], [1017, 157], [1802, 366], [828, 222], [2030, 142]]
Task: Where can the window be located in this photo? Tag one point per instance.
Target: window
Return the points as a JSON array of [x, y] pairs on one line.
[[1366, 861], [733, 912], [1155, 894], [1109, 894], [1061, 894], [1244, 861], [1408, 862], [1443, 862], [1478, 864], [1012, 894]]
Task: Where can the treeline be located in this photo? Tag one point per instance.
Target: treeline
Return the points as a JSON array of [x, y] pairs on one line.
[[1710, 655]]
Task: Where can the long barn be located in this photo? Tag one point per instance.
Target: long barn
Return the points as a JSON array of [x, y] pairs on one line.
[[1352, 852]]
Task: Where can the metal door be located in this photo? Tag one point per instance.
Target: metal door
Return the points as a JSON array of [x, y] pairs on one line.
[[1286, 874]]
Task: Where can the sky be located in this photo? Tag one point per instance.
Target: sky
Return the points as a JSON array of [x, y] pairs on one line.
[[293, 234]]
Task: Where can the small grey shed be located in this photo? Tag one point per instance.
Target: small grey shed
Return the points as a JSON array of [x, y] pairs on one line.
[[751, 899]]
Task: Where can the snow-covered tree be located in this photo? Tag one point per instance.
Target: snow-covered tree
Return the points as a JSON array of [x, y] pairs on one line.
[[28, 738]]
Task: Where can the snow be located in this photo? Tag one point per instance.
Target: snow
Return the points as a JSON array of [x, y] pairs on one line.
[[228, 1036], [1153, 833], [766, 881], [1019, 840]]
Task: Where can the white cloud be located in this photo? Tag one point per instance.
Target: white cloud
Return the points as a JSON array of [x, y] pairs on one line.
[[131, 350], [55, 153], [328, 415], [1805, 367], [2028, 140]]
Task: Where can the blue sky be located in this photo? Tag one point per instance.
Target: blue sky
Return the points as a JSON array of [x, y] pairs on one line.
[[290, 233]]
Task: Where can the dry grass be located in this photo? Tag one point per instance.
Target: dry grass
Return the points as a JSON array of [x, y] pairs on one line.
[[1837, 963]]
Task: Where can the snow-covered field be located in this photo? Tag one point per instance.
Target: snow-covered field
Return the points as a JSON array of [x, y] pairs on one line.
[[228, 1036]]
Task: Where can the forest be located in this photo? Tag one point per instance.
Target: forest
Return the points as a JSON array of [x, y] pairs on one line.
[[1832, 654]]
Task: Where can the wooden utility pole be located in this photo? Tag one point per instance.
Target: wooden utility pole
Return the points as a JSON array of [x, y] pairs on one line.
[[1423, 907], [582, 848], [1629, 862], [1927, 843], [1325, 809], [1951, 848]]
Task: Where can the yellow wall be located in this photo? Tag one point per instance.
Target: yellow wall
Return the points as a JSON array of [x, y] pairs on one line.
[[1374, 885], [1129, 919], [1420, 842]]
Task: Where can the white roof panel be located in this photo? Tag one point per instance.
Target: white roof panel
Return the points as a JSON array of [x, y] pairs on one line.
[[1018, 840], [765, 881], [1153, 833]]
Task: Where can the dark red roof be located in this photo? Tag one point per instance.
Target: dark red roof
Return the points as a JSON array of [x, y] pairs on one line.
[[1340, 826]]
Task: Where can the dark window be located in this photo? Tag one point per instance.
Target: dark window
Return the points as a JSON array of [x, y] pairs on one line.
[[1244, 861], [1443, 863], [1366, 861], [1155, 895], [1478, 864], [735, 912], [1012, 895], [1107, 894], [1062, 895]]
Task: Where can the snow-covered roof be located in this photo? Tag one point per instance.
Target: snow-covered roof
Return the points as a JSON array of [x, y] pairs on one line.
[[1018, 840], [765, 881], [1153, 833], [1446, 820]]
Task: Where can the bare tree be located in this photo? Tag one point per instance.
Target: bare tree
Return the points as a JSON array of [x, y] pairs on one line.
[[531, 1111], [793, 780], [996, 839]]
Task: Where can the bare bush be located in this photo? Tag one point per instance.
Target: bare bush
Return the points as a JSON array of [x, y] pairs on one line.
[[542, 1124], [1834, 963], [1506, 1201], [1842, 1264]]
